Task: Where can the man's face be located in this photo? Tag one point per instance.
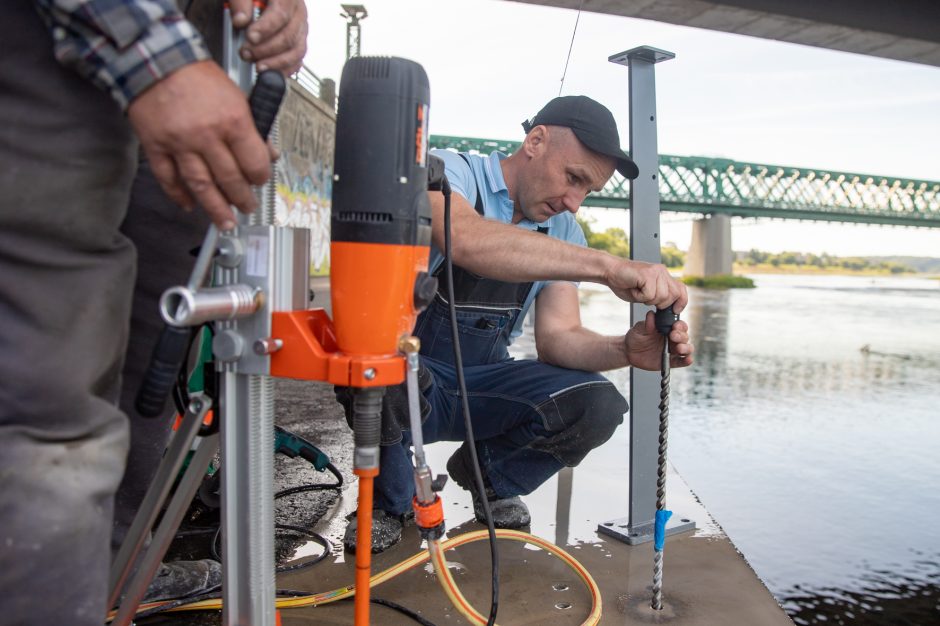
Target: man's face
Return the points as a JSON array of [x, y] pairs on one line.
[[561, 172]]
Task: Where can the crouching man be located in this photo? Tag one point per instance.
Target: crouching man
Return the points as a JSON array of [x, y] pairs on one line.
[[516, 243]]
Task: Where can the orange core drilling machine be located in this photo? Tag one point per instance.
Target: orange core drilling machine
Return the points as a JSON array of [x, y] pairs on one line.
[[381, 233]]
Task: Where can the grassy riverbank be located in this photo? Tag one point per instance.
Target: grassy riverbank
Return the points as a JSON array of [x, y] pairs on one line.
[[721, 281], [739, 280], [768, 268], [741, 269]]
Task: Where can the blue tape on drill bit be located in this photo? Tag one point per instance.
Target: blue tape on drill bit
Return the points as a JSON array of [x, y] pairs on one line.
[[659, 530]]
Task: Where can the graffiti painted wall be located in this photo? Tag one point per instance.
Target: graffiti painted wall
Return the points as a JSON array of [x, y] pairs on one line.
[[305, 171]]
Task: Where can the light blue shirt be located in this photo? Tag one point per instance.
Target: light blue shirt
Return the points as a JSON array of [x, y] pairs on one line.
[[485, 173]]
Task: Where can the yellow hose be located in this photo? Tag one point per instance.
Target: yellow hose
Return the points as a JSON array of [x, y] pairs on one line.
[[435, 552], [449, 585]]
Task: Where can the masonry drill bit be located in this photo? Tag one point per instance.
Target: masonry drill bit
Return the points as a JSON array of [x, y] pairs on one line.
[[665, 318]]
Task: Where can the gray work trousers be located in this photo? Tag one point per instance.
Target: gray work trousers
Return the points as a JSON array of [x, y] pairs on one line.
[[164, 235], [66, 161]]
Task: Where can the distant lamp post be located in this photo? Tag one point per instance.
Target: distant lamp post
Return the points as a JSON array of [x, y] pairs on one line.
[[354, 13]]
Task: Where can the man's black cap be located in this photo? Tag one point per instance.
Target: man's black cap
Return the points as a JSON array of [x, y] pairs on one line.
[[593, 124]]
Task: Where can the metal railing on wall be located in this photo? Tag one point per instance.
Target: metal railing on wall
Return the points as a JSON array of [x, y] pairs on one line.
[[308, 80], [323, 89]]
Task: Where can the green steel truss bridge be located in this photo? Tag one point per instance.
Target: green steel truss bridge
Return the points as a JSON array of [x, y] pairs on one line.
[[706, 186]]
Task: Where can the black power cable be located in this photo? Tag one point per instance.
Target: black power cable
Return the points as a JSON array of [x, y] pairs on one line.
[[181, 388], [462, 388], [213, 594], [180, 393], [317, 487], [318, 538], [403, 610]]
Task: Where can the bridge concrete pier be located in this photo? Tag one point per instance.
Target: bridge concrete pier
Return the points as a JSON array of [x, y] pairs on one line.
[[710, 251]]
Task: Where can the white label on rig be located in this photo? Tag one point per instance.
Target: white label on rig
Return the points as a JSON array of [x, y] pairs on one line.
[[256, 261]]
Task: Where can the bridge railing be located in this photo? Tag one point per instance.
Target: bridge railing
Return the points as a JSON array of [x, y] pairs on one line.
[[701, 185], [706, 185]]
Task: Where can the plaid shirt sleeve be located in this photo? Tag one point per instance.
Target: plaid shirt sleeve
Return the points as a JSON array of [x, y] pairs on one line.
[[122, 46]]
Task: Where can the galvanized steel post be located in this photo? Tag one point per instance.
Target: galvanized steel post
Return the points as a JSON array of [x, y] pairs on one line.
[[645, 245]]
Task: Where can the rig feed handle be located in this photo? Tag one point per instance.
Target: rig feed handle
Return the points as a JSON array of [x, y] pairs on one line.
[[265, 100], [162, 371]]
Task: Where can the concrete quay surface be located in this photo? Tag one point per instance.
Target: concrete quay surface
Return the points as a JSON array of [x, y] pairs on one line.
[[706, 580]]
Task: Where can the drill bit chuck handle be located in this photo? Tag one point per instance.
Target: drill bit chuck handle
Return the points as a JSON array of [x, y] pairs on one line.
[[665, 318]]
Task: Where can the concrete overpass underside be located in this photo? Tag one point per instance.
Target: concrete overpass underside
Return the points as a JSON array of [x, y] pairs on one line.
[[904, 30]]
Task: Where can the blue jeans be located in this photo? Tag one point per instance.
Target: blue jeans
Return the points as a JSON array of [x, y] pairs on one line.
[[529, 419]]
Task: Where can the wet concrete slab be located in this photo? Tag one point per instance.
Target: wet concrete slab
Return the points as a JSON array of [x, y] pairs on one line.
[[706, 581]]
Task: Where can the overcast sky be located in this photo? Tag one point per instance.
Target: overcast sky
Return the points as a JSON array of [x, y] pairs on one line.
[[493, 63]]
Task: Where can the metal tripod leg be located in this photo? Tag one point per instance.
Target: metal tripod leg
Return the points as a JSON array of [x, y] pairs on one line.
[[153, 501]]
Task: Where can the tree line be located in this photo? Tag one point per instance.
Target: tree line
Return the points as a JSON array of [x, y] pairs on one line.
[[822, 261], [616, 242]]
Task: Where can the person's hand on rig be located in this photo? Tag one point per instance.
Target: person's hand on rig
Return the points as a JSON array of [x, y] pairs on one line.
[[196, 129], [646, 283], [278, 39], [644, 345]]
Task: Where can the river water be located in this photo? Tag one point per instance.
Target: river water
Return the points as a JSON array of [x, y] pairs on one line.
[[809, 426]]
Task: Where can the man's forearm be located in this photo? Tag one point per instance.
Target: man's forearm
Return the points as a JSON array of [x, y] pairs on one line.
[[519, 255], [582, 349], [505, 252]]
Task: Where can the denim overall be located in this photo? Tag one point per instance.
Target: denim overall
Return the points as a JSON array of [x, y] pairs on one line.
[[530, 419]]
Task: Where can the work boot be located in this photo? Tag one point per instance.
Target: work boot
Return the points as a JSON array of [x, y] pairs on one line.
[[386, 530], [506, 512], [184, 579]]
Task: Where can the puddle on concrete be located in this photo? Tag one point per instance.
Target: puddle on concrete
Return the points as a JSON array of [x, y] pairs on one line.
[[566, 510], [306, 550]]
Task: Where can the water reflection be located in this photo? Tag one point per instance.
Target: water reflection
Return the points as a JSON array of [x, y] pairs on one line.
[[563, 505], [808, 428], [889, 599], [708, 326], [757, 369], [820, 460]]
